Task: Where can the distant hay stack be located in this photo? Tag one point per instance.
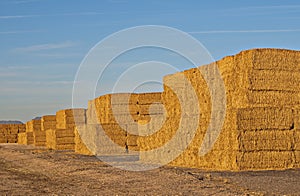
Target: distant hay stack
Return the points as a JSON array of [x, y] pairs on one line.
[[9, 132]]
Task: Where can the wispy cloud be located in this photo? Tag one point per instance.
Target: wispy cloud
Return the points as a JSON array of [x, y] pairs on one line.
[[13, 67], [60, 55], [50, 15], [20, 31], [43, 47], [246, 31], [77, 14], [17, 16], [25, 1], [267, 10], [7, 74], [273, 7]]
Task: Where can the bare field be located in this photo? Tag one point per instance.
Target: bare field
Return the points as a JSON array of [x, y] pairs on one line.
[[28, 170]]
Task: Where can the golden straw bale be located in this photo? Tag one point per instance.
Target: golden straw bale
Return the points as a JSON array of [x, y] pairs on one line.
[[272, 80], [273, 98], [48, 118], [30, 138], [33, 125], [265, 160], [65, 147], [91, 115], [84, 140], [51, 139], [268, 140], [276, 59], [3, 139], [149, 98], [65, 140], [22, 138], [265, 118], [70, 117], [48, 122], [62, 133], [22, 128]]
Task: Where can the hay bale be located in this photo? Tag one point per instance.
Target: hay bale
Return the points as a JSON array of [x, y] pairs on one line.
[[30, 138], [22, 128], [262, 118], [3, 139], [274, 80], [266, 140], [262, 160], [64, 140], [33, 125], [39, 138], [276, 59], [84, 136], [131, 140], [22, 138], [149, 98], [273, 98], [91, 115], [60, 139], [51, 139], [68, 118], [48, 122], [62, 133], [65, 147]]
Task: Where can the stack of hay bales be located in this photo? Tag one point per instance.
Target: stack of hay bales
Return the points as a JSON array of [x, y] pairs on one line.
[[32, 127], [82, 130], [39, 135], [113, 112], [110, 115], [118, 116], [48, 122], [266, 138], [62, 137], [150, 113], [22, 135], [259, 131], [9, 132]]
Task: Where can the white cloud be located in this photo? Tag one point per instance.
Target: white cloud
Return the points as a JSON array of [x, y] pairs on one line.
[[273, 7], [24, 1], [57, 14], [246, 31], [17, 16], [20, 31], [49, 46], [60, 55]]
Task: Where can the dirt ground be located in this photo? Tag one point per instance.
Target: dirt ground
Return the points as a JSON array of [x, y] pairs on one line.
[[28, 170]]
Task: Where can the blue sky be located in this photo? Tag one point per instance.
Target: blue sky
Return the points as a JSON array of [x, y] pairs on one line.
[[44, 41]]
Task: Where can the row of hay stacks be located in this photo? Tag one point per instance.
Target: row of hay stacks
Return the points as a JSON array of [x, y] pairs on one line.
[[260, 107], [260, 127], [53, 131], [9, 132]]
